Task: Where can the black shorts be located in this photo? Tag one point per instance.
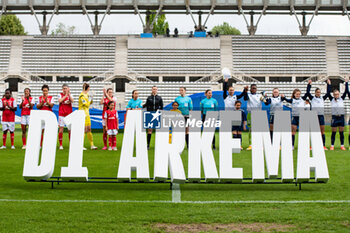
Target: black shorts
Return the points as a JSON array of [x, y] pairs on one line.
[[338, 121], [237, 128], [295, 120], [321, 120]]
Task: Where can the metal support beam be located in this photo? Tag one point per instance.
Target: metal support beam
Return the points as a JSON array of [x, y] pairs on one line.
[[213, 2], [345, 9], [304, 27], [147, 26], [252, 27], [156, 17], [139, 14], [200, 27], [189, 11], [95, 27], [3, 10], [44, 27]]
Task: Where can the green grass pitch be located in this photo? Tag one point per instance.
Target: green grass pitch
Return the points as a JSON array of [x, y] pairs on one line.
[[107, 216]]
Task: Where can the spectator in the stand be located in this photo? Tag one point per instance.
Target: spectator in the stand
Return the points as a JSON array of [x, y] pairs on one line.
[[176, 32], [167, 32]]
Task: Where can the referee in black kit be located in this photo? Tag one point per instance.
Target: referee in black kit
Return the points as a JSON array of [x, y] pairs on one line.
[[153, 103]]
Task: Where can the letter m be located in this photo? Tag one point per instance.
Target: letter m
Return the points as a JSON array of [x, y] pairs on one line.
[[261, 143]]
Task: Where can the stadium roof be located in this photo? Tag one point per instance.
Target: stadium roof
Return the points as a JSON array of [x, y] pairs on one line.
[[241, 7]]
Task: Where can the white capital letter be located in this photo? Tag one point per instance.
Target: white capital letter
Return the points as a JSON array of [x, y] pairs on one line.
[[229, 146], [309, 123], [44, 170], [127, 160], [261, 142], [75, 169], [168, 154], [200, 147]]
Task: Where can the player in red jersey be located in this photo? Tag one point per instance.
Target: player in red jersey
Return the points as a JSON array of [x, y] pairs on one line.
[[107, 97], [26, 106], [45, 102], [111, 118], [65, 100], [9, 106]]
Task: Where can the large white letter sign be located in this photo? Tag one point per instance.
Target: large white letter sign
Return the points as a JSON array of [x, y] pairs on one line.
[[32, 169], [229, 145], [169, 154], [200, 147], [75, 169], [261, 142], [309, 123], [127, 160]]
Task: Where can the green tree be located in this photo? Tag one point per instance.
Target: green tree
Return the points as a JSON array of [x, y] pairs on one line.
[[11, 25], [225, 29], [63, 30], [160, 26]]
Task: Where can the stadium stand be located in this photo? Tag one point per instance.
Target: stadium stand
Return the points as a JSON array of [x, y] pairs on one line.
[[121, 59], [174, 61], [287, 88], [68, 55], [278, 54], [75, 88], [169, 56], [5, 48], [167, 90], [344, 54]]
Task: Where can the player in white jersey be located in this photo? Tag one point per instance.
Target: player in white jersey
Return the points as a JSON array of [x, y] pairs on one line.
[[253, 104], [229, 96], [276, 104], [338, 113], [298, 105], [317, 104]]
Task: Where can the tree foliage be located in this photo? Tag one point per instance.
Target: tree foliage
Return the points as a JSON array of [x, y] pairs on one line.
[[63, 30], [225, 29], [160, 26], [11, 25]]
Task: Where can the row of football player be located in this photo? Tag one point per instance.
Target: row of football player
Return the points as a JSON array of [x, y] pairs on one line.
[[182, 104], [298, 103], [65, 99]]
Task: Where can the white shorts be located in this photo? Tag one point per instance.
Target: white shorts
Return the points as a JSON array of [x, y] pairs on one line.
[[61, 121], [103, 122], [112, 132], [25, 119], [8, 126]]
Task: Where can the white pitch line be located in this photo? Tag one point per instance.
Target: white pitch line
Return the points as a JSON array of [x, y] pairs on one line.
[[176, 193], [187, 202]]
